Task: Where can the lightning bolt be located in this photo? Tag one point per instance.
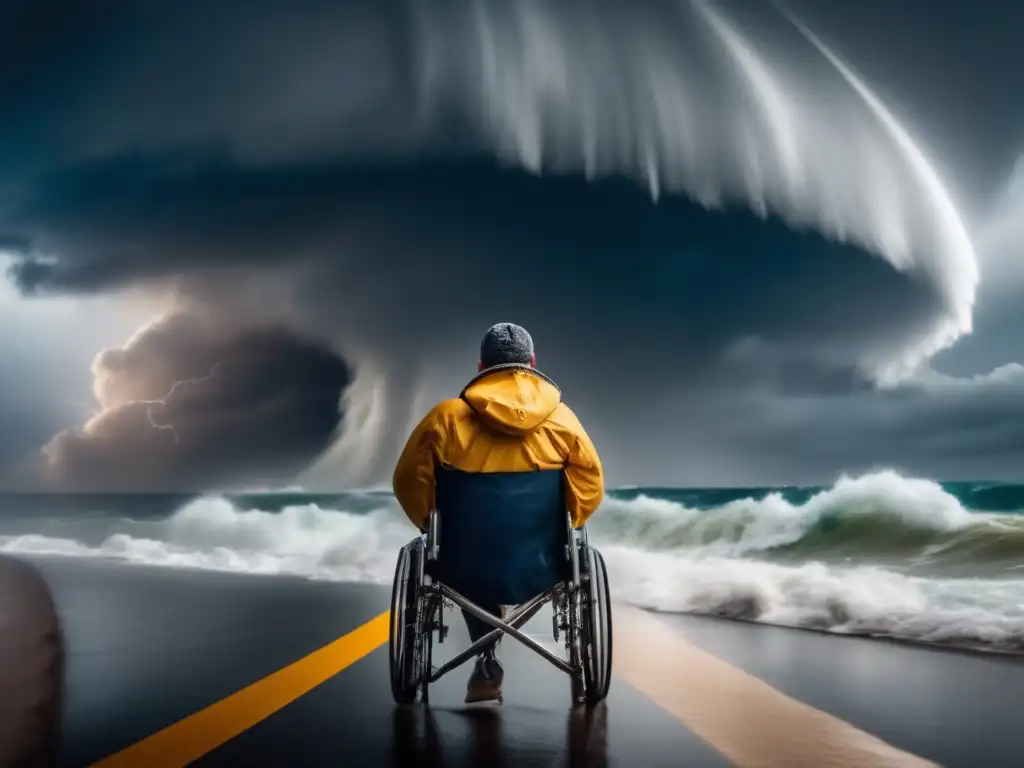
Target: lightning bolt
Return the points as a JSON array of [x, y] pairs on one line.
[[165, 400]]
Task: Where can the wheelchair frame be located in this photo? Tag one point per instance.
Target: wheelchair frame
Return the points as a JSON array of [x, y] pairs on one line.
[[581, 612]]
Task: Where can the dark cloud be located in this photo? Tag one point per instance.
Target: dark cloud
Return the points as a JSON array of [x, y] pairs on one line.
[[192, 402], [935, 425], [442, 241], [626, 297], [391, 181]]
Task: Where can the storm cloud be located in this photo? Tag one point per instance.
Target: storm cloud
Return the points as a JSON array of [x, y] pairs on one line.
[[377, 185], [191, 402]]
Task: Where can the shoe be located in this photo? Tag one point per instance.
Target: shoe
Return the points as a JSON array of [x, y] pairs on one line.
[[485, 682]]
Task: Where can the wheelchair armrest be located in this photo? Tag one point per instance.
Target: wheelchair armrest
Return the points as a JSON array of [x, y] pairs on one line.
[[573, 551]]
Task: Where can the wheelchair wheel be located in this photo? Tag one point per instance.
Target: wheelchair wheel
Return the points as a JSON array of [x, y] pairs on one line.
[[597, 628], [425, 655], [402, 640]]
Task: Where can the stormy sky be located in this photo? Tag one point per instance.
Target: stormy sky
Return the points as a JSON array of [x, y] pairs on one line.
[[755, 243]]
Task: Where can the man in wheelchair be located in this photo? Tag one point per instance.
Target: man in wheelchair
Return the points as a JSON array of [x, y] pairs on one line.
[[508, 442]]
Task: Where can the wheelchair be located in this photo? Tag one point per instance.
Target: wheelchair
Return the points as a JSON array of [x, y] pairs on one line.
[[576, 587]]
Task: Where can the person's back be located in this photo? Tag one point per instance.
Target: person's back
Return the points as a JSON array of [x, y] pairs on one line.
[[510, 418]]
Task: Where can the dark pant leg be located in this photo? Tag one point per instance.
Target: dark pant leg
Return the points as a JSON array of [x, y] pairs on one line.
[[477, 628]]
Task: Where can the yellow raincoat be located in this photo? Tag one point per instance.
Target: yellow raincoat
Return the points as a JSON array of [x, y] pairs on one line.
[[509, 419]]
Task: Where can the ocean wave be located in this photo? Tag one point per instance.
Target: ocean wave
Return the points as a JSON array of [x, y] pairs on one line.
[[911, 523], [211, 533], [861, 557], [867, 600]]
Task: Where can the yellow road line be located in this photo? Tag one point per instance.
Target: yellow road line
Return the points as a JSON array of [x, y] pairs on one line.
[[200, 733], [746, 720], [752, 724]]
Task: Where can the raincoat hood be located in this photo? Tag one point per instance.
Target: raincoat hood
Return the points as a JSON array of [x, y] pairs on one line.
[[513, 398]]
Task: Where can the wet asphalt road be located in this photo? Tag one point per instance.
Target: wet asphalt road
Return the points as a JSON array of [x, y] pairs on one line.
[[149, 646]]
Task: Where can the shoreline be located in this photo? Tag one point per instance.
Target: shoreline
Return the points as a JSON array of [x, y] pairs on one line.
[[967, 650], [980, 651]]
